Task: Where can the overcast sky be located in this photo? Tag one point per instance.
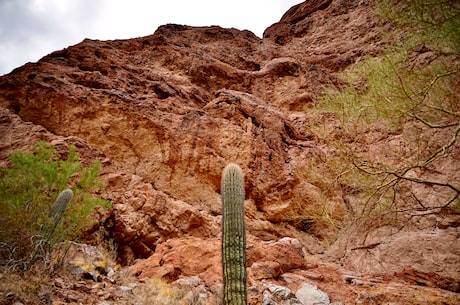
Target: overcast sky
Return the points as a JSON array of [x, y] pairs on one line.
[[31, 29]]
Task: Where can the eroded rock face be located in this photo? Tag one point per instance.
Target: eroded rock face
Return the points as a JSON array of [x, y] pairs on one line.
[[149, 105], [431, 255], [195, 256], [178, 148]]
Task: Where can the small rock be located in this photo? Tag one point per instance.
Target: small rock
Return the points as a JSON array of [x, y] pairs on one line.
[[349, 279], [279, 295], [266, 270], [59, 282], [353, 280], [310, 295], [83, 287], [359, 282], [110, 272], [314, 276], [70, 295], [191, 281], [267, 299], [280, 291], [125, 288]]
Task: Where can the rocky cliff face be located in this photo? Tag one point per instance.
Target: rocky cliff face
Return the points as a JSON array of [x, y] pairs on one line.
[[165, 113]]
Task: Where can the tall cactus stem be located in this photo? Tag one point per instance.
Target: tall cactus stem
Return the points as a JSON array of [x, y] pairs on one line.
[[233, 236]]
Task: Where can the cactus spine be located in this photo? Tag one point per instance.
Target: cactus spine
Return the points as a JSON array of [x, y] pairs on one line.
[[233, 236]]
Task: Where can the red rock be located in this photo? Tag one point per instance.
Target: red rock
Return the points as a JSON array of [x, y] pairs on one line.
[[166, 112], [192, 256]]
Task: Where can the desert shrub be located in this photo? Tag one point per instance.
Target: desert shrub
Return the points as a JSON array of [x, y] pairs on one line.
[[32, 289], [432, 22], [158, 291], [409, 90], [29, 186]]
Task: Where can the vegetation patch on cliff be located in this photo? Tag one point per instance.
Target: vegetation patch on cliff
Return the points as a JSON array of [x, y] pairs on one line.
[[398, 120]]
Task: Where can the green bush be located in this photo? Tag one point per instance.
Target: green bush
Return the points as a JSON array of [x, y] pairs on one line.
[[411, 89], [432, 22], [395, 85], [29, 186]]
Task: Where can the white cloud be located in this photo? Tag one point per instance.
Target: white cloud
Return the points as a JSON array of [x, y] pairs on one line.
[[31, 29]]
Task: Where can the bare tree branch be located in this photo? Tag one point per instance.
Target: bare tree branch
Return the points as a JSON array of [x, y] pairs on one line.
[[442, 151]]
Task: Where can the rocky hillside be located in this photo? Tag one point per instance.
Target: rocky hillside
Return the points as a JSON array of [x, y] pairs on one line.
[[165, 113]]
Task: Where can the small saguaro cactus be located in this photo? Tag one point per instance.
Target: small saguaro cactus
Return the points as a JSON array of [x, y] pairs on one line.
[[233, 236], [59, 207]]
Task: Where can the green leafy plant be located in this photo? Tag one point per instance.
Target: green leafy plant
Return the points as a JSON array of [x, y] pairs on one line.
[[410, 93], [435, 23], [29, 185], [233, 236]]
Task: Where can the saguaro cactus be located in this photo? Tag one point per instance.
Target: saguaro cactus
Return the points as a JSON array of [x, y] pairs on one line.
[[233, 236], [59, 207]]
